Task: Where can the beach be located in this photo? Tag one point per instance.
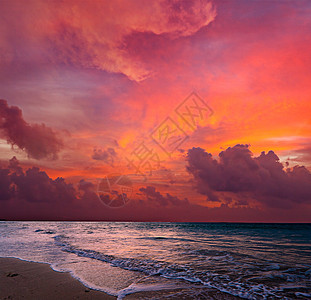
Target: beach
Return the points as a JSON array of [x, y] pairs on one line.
[[124, 260], [21, 279], [28, 280]]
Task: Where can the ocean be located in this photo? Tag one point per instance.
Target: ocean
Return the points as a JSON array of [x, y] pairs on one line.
[[252, 261]]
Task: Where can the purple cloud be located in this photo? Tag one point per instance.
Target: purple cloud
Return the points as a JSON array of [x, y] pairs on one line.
[[167, 200], [37, 140], [263, 178], [108, 156]]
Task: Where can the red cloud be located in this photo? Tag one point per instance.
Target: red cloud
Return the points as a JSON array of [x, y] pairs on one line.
[[90, 33], [38, 140]]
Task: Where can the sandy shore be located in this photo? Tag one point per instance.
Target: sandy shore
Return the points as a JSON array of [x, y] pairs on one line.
[[27, 280], [37, 281]]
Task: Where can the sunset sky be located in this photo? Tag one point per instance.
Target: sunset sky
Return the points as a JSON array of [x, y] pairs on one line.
[[86, 84]]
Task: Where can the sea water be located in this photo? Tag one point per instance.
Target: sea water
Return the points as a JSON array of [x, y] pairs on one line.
[[252, 261]]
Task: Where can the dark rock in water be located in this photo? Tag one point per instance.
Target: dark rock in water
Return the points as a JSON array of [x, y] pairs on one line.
[[49, 232], [46, 232], [12, 275]]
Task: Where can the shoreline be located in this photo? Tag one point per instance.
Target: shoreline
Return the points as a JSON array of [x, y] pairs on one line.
[[22, 279], [32, 280]]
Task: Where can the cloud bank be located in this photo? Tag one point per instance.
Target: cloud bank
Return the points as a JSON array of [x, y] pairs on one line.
[[33, 195], [33, 185], [262, 178]]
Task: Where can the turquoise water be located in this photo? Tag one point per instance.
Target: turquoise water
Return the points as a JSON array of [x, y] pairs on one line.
[[253, 261]]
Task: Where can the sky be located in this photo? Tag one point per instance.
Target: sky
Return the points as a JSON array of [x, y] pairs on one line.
[[155, 110]]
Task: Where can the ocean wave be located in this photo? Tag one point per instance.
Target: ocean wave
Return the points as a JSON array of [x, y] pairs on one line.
[[253, 288], [245, 266], [155, 238]]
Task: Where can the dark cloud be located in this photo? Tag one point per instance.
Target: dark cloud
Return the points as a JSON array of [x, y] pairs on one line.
[[33, 185], [36, 186], [86, 185], [5, 185], [156, 197], [263, 178], [32, 195], [37, 140], [14, 166], [108, 156]]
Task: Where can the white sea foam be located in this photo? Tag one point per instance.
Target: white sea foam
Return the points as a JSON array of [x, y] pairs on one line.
[[248, 260]]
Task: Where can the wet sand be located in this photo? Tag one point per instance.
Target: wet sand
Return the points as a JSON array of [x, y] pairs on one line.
[[28, 280]]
